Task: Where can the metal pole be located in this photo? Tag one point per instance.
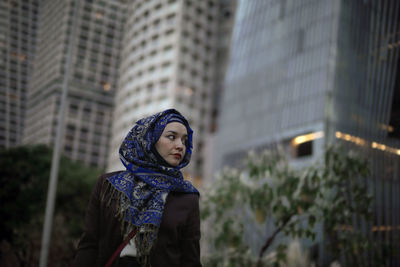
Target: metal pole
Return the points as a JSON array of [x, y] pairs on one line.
[[51, 193]]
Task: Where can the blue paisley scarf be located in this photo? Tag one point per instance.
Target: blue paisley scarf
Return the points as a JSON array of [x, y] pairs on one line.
[[142, 189]]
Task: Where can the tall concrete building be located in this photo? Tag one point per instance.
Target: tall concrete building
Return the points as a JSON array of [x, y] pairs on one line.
[[94, 29], [303, 74], [18, 31], [170, 60]]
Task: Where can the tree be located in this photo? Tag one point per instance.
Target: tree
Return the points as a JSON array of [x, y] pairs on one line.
[[24, 175], [332, 193]]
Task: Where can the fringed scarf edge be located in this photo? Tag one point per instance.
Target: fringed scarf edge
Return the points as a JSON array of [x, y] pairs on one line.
[[143, 235]]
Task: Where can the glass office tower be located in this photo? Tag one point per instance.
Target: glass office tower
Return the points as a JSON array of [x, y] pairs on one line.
[[281, 68], [365, 113], [307, 73]]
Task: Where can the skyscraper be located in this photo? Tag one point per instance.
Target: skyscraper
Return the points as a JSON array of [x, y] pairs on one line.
[[303, 74], [280, 71], [18, 31], [169, 60], [365, 106], [95, 29]]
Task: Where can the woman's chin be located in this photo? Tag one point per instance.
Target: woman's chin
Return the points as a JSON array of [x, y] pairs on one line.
[[173, 162]]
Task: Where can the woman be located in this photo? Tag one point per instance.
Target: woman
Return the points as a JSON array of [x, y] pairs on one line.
[[150, 197]]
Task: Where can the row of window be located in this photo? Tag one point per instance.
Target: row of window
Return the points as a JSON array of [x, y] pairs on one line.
[[14, 81], [94, 158], [146, 102], [155, 25], [12, 122], [164, 66], [143, 56], [210, 4], [151, 42], [101, 8], [87, 111], [145, 5], [22, 27], [25, 11], [162, 84], [12, 139], [96, 37], [98, 132], [200, 31], [105, 65], [24, 40], [193, 59], [104, 82], [142, 45]]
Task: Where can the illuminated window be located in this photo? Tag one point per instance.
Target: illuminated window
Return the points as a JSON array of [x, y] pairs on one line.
[[302, 146], [303, 149], [106, 86]]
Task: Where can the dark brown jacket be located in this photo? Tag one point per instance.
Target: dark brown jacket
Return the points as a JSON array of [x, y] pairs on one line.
[[178, 236]]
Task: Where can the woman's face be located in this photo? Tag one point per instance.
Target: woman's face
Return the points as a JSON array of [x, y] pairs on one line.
[[172, 143]]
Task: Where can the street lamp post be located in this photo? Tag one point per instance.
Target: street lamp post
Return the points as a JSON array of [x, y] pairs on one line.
[[52, 189]]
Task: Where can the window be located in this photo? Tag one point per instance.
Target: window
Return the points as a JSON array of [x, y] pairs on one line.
[[168, 47], [199, 11], [73, 108], [302, 149], [150, 87], [153, 53], [166, 64], [154, 40], [84, 134], [171, 19], [156, 23], [164, 83], [169, 32]]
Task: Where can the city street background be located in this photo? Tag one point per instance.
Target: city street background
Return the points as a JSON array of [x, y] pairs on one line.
[[293, 77]]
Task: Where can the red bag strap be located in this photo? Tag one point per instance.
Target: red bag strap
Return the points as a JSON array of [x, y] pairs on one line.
[[120, 248]]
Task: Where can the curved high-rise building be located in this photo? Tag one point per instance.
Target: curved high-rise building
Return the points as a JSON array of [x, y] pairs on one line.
[[169, 60]]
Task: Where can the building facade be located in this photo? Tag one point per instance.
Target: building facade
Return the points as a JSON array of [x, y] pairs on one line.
[[303, 74], [169, 60], [18, 34], [281, 68], [365, 107], [94, 29]]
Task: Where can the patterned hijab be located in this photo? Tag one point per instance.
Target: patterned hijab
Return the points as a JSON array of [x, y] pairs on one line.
[[142, 189]]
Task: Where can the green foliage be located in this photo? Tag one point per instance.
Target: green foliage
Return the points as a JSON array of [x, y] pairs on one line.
[[24, 175], [332, 192]]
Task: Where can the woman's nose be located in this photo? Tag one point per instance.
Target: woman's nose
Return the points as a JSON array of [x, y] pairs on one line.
[[180, 144]]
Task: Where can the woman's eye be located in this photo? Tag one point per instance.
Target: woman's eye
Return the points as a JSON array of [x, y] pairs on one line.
[[171, 137]]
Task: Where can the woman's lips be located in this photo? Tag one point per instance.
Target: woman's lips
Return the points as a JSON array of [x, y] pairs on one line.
[[177, 156]]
